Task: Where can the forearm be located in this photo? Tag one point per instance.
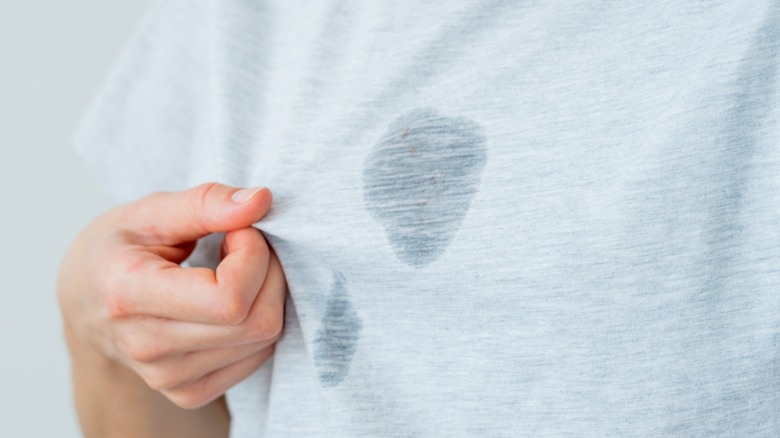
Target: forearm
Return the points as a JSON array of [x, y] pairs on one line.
[[113, 402]]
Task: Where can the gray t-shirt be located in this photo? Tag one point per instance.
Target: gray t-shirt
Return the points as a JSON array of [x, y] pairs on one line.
[[496, 218]]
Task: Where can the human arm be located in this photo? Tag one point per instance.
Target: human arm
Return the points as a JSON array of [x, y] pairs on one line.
[[113, 401], [141, 329]]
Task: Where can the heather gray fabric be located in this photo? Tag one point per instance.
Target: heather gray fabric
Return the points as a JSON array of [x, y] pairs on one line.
[[496, 218]]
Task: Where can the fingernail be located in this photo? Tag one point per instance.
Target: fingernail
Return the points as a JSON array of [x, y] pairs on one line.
[[245, 195]]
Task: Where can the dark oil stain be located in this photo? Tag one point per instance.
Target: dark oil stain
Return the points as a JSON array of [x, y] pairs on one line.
[[420, 178], [336, 340]]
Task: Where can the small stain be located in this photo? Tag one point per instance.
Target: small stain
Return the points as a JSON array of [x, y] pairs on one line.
[[336, 340]]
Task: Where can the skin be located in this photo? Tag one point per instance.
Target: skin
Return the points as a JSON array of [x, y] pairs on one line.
[[154, 345]]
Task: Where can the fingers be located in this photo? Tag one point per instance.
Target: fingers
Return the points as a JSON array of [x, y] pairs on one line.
[[172, 218], [190, 332], [194, 363], [153, 338], [151, 286], [200, 392], [175, 371]]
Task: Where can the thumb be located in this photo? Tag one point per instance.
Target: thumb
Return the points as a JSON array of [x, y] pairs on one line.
[[172, 218]]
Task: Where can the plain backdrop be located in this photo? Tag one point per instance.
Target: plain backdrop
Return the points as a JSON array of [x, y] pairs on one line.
[[54, 54]]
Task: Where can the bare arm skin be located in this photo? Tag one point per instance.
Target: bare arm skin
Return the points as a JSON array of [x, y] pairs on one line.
[[112, 401], [154, 345]]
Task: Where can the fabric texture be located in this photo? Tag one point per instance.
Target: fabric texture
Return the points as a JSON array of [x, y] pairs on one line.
[[496, 218]]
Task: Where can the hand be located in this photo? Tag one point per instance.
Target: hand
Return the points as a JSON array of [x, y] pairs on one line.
[[190, 333]]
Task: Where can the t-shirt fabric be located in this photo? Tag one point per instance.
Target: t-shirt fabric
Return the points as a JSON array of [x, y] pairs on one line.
[[496, 218]]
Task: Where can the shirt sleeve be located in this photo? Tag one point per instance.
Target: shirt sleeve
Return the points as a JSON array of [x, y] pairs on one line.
[[144, 129]]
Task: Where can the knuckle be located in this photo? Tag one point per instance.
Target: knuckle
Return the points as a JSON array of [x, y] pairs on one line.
[[131, 267], [236, 307], [141, 352], [116, 304], [152, 229], [199, 197], [263, 250], [189, 397], [116, 287], [268, 327], [160, 379]]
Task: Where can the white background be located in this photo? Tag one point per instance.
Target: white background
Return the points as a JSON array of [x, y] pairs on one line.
[[54, 54]]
